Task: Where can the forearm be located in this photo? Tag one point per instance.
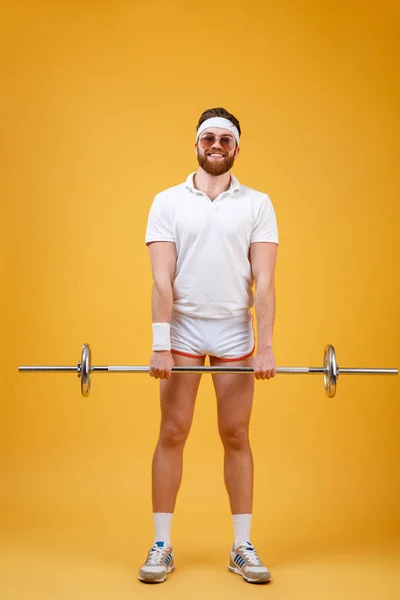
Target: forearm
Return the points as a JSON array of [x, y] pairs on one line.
[[161, 301], [265, 312]]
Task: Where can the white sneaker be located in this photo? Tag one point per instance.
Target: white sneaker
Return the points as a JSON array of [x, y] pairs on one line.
[[159, 562], [244, 561]]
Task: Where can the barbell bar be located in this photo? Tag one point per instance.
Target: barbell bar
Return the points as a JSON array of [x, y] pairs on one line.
[[330, 370]]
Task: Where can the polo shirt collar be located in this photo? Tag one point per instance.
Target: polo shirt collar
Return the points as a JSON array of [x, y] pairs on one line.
[[234, 187]]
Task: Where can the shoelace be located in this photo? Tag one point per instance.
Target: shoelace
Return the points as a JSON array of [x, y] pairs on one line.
[[251, 556], [157, 555]]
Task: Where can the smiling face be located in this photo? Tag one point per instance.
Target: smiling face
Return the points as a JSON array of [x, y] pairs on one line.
[[216, 150]]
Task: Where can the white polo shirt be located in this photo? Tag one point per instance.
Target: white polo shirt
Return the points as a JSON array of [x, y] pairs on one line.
[[213, 277]]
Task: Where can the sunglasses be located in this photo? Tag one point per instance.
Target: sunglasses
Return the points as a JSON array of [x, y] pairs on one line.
[[208, 139]]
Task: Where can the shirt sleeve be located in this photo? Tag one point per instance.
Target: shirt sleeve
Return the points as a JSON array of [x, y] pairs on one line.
[[159, 224], [265, 227]]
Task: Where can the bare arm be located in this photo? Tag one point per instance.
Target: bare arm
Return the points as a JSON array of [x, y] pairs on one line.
[[163, 262], [263, 261]]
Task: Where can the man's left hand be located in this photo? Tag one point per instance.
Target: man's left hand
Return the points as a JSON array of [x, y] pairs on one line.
[[264, 364]]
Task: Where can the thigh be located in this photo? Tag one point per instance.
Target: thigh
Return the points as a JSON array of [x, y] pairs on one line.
[[178, 394], [234, 396]]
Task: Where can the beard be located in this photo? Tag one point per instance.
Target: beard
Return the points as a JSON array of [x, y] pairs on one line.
[[215, 167]]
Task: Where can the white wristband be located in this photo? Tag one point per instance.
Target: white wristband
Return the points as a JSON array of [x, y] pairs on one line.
[[161, 336]]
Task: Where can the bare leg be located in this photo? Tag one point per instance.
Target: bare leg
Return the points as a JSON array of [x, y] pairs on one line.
[[178, 396], [235, 399]]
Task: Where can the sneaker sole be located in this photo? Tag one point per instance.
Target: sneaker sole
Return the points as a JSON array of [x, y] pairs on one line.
[[247, 579], [144, 580]]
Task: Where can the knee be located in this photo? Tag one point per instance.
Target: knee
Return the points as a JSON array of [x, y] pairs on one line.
[[173, 435], [235, 438]]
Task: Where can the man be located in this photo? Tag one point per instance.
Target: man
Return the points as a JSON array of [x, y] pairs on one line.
[[210, 239]]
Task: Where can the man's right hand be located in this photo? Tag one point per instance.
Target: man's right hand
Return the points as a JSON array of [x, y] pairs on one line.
[[161, 363]]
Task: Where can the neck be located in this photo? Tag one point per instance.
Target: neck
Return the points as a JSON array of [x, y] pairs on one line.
[[211, 185]]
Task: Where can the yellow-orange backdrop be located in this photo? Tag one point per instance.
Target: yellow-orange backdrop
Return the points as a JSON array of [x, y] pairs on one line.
[[99, 106]]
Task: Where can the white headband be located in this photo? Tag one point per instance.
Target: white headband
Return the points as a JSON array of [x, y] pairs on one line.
[[219, 122]]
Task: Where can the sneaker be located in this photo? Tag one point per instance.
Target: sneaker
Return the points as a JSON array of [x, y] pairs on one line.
[[159, 562], [245, 562]]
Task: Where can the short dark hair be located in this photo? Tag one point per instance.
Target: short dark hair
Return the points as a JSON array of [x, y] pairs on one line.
[[219, 112]]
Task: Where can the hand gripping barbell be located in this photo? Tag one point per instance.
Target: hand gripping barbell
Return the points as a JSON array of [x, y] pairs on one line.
[[330, 370]]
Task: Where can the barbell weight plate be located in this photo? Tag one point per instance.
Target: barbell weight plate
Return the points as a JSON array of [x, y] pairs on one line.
[[331, 373], [85, 369]]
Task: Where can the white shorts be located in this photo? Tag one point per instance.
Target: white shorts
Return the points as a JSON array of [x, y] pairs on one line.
[[227, 339]]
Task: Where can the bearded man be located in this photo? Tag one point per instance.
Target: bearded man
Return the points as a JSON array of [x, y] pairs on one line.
[[210, 239]]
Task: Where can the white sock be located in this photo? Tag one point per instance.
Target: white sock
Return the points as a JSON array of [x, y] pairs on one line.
[[241, 527], [162, 526]]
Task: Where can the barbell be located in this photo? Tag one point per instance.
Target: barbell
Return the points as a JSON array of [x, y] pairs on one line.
[[330, 370]]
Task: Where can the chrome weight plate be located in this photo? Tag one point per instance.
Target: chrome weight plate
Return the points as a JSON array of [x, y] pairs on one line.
[[331, 372], [85, 369]]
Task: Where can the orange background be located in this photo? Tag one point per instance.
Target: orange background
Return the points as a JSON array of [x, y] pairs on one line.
[[99, 106]]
